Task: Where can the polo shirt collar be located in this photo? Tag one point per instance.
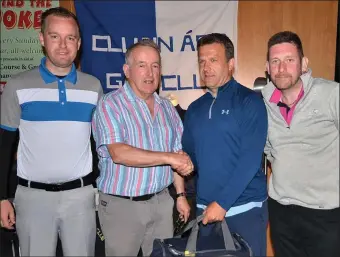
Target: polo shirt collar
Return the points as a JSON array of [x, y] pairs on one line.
[[277, 94], [133, 97], [269, 90], [223, 88], [48, 77]]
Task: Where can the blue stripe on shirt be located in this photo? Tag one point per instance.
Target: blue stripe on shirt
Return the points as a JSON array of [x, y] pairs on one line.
[[8, 128], [57, 111]]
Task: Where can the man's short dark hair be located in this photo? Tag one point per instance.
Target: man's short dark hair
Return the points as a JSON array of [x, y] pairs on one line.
[[286, 37], [220, 39], [59, 12]]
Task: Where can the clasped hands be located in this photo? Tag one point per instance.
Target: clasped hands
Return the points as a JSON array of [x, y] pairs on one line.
[[182, 163]]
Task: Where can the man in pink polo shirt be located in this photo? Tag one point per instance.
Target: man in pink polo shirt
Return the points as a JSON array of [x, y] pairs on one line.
[[303, 148]]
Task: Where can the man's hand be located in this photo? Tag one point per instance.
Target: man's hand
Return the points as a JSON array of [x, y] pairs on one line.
[[214, 212], [181, 162], [7, 214], [183, 208], [186, 169]]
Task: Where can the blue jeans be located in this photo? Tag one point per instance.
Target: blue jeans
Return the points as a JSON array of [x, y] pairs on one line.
[[251, 225]]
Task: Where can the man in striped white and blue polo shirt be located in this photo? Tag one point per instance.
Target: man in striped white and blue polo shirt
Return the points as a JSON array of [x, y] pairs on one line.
[[52, 107], [138, 137]]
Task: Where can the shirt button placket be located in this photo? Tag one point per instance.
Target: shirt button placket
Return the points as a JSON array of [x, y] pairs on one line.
[[62, 96]]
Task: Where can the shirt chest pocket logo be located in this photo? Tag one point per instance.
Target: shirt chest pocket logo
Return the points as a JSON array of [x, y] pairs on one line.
[[225, 112], [226, 121], [313, 112]]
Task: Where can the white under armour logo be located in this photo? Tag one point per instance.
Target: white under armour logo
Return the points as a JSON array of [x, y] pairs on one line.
[[225, 112]]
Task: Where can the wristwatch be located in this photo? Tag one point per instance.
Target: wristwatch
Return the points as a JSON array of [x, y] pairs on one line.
[[181, 194]]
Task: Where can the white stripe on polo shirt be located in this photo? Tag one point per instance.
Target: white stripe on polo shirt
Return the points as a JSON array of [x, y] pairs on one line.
[[52, 95], [37, 94], [82, 96]]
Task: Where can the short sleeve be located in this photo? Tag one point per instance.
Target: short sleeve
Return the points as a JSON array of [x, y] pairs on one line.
[[10, 108], [179, 130], [100, 91], [106, 126]]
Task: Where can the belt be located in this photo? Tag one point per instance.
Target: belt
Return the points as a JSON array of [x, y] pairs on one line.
[[138, 198], [80, 182]]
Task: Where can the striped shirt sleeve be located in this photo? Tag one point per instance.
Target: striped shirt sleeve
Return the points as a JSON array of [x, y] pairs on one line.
[[106, 126], [178, 127]]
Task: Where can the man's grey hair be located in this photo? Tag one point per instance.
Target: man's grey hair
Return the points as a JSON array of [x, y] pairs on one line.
[[143, 42]]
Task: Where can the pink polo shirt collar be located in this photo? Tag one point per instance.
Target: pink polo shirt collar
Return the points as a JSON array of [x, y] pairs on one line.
[[276, 98]]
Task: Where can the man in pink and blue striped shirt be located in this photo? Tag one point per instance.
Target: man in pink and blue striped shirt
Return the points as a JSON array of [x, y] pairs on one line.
[[138, 138]]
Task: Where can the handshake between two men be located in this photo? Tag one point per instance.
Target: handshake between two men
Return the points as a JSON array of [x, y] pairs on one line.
[[182, 163]]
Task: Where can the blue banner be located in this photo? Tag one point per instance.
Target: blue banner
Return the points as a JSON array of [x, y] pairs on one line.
[[110, 27]]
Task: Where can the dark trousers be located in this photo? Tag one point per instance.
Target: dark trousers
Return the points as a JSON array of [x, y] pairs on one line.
[[298, 231], [251, 225]]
